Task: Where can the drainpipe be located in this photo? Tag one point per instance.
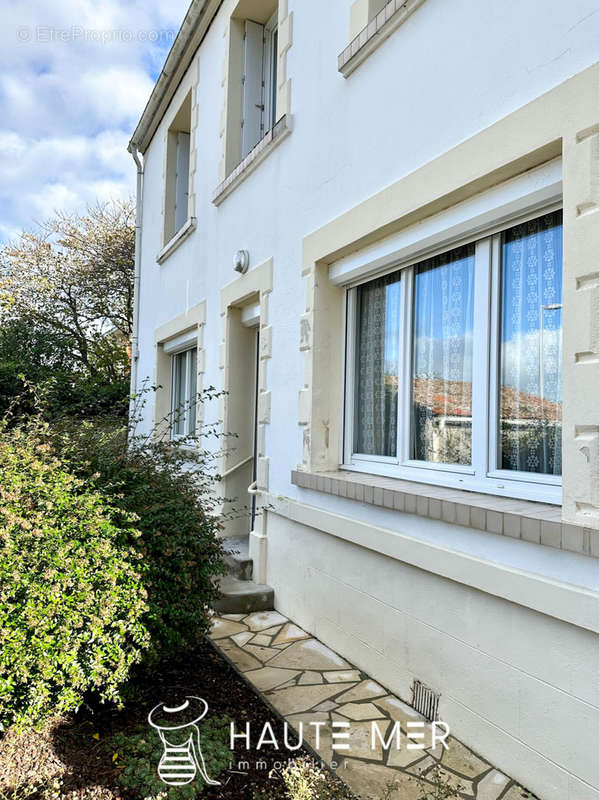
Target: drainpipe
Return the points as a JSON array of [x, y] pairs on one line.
[[132, 148]]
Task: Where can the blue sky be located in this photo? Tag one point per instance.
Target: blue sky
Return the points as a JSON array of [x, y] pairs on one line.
[[75, 76]]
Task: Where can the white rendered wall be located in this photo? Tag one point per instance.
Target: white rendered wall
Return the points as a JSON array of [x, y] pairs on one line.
[[519, 687], [450, 71]]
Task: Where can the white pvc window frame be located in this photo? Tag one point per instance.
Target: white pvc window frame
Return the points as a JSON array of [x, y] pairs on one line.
[[483, 475], [183, 411]]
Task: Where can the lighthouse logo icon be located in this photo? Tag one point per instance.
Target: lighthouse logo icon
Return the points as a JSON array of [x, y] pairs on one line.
[[179, 733]]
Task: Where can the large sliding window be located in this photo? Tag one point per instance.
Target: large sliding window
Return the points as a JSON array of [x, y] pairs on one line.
[[454, 365]]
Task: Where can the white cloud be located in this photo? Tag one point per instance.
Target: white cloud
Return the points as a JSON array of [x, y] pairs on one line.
[[520, 360], [75, 77], [451, 359]]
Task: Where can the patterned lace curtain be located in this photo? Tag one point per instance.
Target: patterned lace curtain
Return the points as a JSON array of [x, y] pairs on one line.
[[530, 424], [441, 430], [377, 357]]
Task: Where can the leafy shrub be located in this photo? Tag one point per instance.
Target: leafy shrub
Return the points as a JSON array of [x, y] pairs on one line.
[[438, 785], [169, 487], [71, 599], [139, 753], [303, 779]]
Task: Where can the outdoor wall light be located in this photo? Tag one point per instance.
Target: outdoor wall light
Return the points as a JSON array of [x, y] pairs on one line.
[[241, 261]]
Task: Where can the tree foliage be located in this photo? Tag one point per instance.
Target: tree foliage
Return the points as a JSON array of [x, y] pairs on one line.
[[66, 305]]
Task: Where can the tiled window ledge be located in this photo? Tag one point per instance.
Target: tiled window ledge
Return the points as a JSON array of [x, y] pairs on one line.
[[255, 157], [539, 523], [394, 14], [177, 239]]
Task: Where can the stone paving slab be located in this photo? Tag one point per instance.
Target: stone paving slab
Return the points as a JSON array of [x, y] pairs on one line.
[[335, 706]]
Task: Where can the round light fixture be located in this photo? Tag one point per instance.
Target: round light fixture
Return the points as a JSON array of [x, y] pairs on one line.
[[241, 261]]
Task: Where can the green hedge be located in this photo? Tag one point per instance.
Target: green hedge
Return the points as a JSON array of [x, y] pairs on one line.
[[169, 487], [72, 601]]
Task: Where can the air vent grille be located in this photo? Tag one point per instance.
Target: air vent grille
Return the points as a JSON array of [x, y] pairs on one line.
[[425, 701]]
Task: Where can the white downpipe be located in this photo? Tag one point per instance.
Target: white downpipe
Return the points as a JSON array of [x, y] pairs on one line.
[[136, 276]]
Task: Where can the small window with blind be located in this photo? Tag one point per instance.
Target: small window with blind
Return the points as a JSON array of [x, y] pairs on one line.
[[454, 364], [176, 210]]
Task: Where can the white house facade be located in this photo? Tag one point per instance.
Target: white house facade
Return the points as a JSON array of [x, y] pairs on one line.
[[409, 340]]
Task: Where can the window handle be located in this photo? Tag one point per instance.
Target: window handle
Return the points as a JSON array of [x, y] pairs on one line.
[[260, 106]]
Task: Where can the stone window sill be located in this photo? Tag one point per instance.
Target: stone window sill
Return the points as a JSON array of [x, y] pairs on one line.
[[394, 14], [255, 157], [182, 234], [539, 523]]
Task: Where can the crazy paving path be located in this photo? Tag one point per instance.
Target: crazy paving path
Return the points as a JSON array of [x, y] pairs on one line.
[[308, 683]]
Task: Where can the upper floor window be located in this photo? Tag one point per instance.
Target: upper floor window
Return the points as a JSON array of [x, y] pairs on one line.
[[177, 171], [259, 81], [454, 363], [252, 77]]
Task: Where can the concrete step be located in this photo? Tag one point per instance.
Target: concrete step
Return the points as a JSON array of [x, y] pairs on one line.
[[238, 559], [243, 597]]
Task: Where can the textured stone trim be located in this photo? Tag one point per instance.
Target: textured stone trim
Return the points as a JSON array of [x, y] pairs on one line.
[[193, 137], [380, 28], [255, 157], [580, 320], [257, 281], [539, 523]]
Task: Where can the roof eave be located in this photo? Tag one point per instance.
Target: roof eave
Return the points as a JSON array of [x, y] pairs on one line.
[[193, 29]]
